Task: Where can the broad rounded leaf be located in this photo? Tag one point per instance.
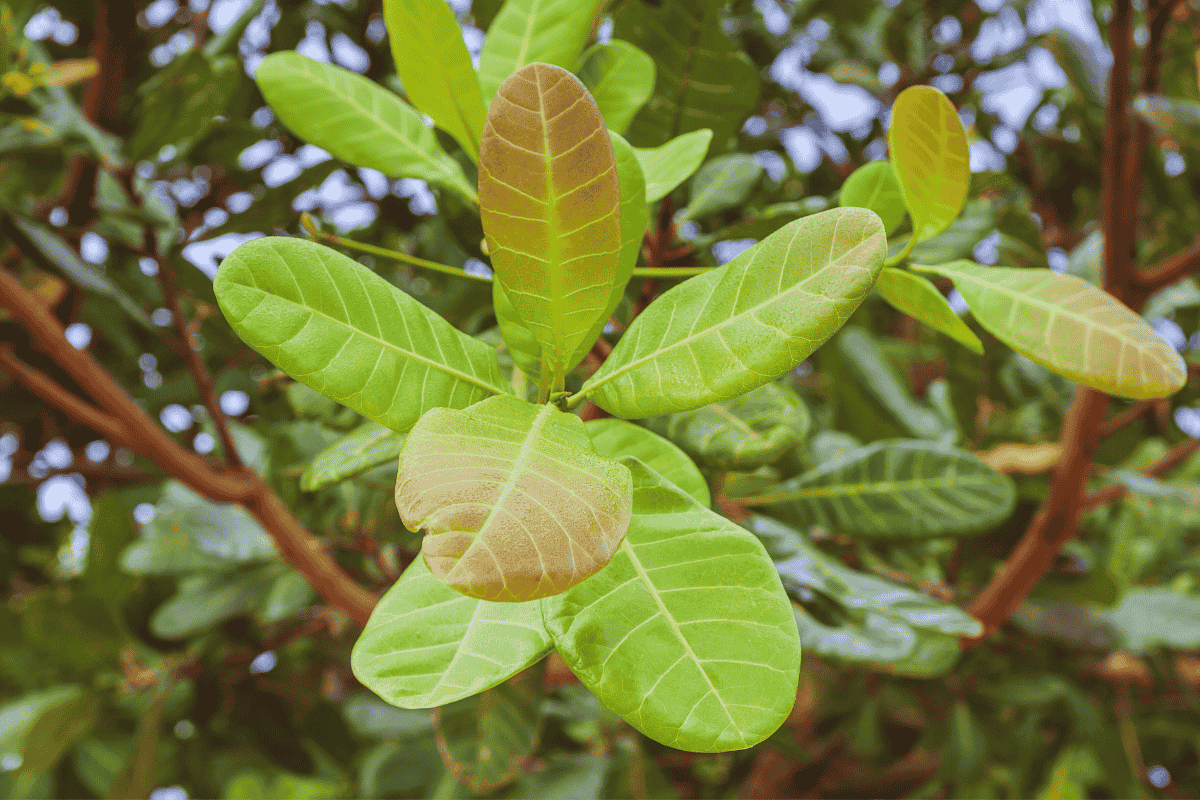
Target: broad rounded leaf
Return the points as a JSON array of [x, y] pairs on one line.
[[687, 634], [723, 333], [874, 186], [754, 428], [514, 499], [337, 327], [616, 438], [703, 79], [367, 446], [356, 120], [427, 645], [435, 67], [529, 31], [921, 300], [485, 740], [722, 183], [550, 201], [897, 488], [929, 154], [1070, 327], [670, 164], [1178, 120], [620, 78]]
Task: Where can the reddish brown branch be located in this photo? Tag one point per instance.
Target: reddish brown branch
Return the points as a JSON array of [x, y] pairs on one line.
[[1167, 272], [212, 479], [1171, 459], [52, 393], [1120, 421]]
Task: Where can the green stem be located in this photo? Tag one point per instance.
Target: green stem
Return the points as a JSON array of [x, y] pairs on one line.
[[670, 272], [543, 389], [395, 255]]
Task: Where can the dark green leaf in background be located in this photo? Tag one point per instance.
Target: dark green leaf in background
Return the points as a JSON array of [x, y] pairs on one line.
[[621, 79]]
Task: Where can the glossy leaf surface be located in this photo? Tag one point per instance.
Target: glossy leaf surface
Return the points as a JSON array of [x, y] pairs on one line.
[[874, 186], [616, 438], [703, 79], [1070, 327], [868, 363], [723, 183], [621, 79], [921, 300], [754, 428], [897, 488], [529, 31], [514, 500], [670, 164], [435, 67], [550, 201], [356, 120], [427, 645], [1178, 120], [367, 446], [337, 327], [852, 616], [687, 634], [723, 333], [929, 154], [485, 740]]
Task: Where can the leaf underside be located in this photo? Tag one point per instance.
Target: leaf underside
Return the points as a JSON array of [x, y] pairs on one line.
[[515, 502]]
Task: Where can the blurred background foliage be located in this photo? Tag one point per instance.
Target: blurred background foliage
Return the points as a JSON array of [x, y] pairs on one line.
[[155, 644]]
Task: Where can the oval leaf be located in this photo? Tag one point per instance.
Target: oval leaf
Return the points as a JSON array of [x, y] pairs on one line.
[[435, 67], [515, 501], [620, 78], [670, 164], [755, 428], [897, 488], [723, 183], [529, 31], [874, 186], [1070, 327], [929, 154], [367, 446], [687, 634], [427, 645], [721, 334], [922, 301], [339, 328], [356, 120], [550, 199], [614, 438]]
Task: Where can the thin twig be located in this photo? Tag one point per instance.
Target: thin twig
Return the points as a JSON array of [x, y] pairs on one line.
[[1120, 421], [53, 393], [1116, 491], [1169, 271]]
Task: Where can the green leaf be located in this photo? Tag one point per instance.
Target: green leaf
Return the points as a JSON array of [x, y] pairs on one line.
[[427, 645], [854, 617], [703, 79], [182, 102], [614, 438], [57, 730], [897, 488], [356, 120], [921, 300], [205, 600], [620, 78], [687, 634], [929, 153], [868, 363], [1150, 617], [485, 740], [670, 164], [1080, 61], [532, 31], [754, 428], [515, 501], [874, 186], [1070, 327], [188, 533], [1178, 120], [435, 68], [742, 325], [722, 183], [334, 325], [19, 716], [550, 199], [367, 446]]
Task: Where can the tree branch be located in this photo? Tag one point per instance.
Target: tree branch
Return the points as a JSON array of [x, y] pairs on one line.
[[1171, 459], [1168, 271], [1057, 521], [207, 477], [52, 393]]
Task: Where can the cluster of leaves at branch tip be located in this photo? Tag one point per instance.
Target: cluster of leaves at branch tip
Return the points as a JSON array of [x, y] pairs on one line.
[[597, 540]]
